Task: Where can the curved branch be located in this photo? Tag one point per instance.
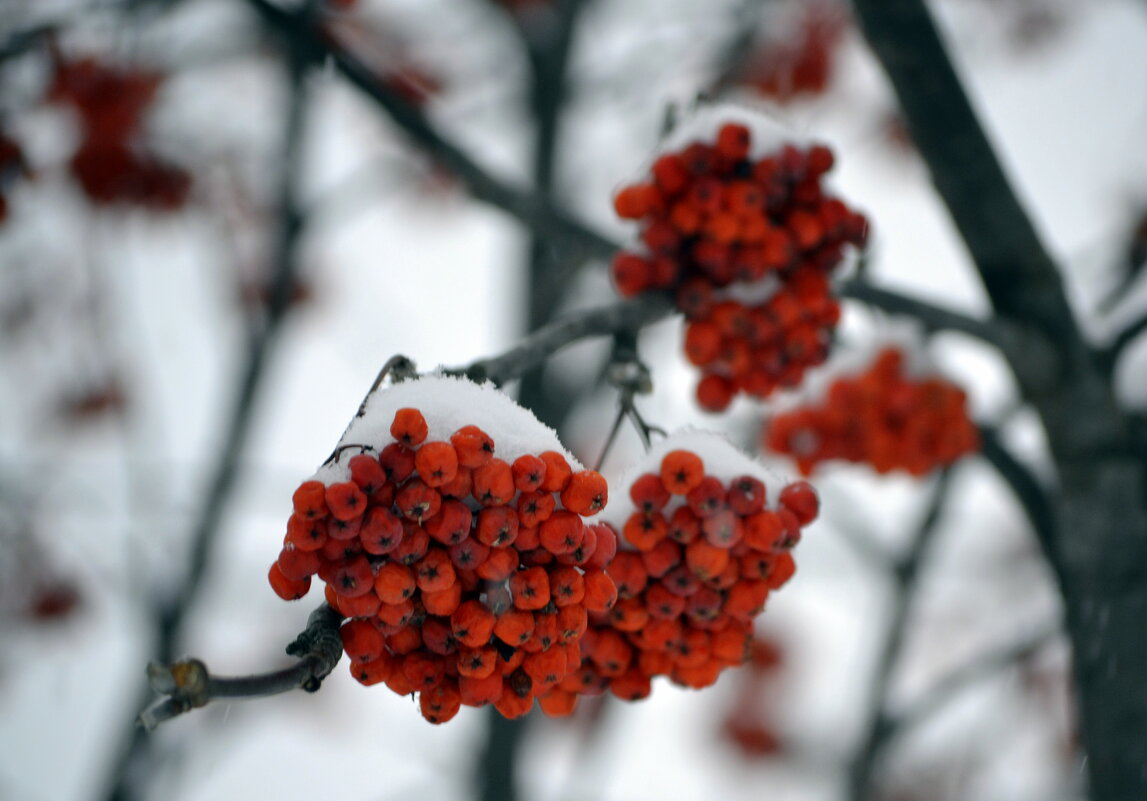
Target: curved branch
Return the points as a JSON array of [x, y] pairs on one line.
[[187, 684], [907, 574], [1019, 275], [961, 678], [994, 332], [547, 340], [1030, 493], [540, 215], [1111, 353]]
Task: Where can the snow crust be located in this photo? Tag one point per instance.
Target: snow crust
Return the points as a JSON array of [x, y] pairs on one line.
[[723, 460], [702, 122], [448, 404]]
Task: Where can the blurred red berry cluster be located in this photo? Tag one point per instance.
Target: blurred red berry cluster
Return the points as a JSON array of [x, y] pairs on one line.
[[747, 246], [747, 723], [464, 578], [700, 557], [882, 418], [803, 63], [112, 163]]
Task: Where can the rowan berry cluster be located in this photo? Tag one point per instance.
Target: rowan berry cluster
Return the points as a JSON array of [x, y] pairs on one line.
[[700, 556], [881, 417], [802, 63], [747, 246], [465, 578], [112, 164]]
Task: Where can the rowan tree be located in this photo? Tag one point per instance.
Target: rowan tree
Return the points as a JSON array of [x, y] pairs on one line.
[[719, 394]]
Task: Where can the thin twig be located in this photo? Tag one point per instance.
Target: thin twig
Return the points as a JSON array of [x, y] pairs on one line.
[[173, 611], [994, 332], [976, 669], [538, 214], [547, 340], [618, 419], [187, 684], [907, 574]]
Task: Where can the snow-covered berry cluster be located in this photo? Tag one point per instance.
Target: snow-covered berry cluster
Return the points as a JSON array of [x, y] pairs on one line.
[[882, 417], [704, 542], [740, 230], [460, 558]]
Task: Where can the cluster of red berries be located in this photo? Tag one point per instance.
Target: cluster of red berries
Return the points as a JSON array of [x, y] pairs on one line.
[[702, 557], [801, 64], [881, 418], [464, 578], [112, 165], [747, 246]]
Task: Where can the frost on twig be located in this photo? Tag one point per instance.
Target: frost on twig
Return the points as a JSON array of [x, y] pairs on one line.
[[188, 684]]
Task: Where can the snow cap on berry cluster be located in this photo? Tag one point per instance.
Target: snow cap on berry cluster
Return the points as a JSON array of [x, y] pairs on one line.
[[703, 122], [705, 543], [723, 461], [738, 226], [447, 403]]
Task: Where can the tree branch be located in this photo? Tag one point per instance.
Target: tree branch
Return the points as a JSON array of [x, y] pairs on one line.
[[1028, 491], [187, 684], [539, 215], [976, 669], [547, 340], [907, 583], [172, 611], [1111, 353], [995, 332], [1019, 275]]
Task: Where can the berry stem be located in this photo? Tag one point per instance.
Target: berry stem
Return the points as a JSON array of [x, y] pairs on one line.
[[619, 418], [188, 684], [631, 377]]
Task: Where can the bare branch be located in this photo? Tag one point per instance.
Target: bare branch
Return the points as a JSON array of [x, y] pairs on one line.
[[547, 340], [172, 611], [907, 572], [1110, 354], [975, 670], [995, 332], [1028, 490], [540, 215], [187, 684], [1019, 275]]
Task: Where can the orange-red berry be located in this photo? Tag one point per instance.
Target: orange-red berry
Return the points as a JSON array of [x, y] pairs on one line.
[[409, 427]]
